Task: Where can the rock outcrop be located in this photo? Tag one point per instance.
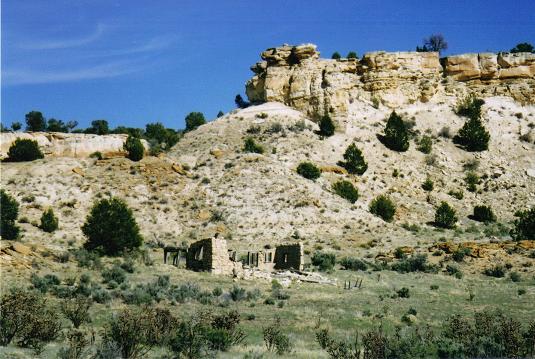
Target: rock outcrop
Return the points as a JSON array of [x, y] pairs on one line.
[[298, 77], [489, 66], [69, 144]]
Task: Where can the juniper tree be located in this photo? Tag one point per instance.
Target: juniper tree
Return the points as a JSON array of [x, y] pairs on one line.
[[134, 148], [24, 149], [473, 136], [382, 206], [49, 222], [111, 227], [308, 170], [445, 216], [354, 160], [523, 47], [524, 225], [194, 120], [483, 214], [345, 189], [35, 121], [396, 136], [8, 213], [326, 126], [251, 146]]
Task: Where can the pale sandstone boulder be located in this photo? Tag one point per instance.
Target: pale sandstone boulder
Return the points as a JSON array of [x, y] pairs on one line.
[[507, 60], [517, 72], [488, 65], [463, 67]]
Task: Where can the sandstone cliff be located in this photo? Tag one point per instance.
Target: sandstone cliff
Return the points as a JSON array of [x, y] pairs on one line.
[[69, 144], [298, 77]]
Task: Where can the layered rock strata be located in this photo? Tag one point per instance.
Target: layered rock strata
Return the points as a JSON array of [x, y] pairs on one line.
[[298, 77]]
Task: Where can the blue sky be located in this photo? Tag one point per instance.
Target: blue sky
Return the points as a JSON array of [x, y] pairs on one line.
[[139, 61]]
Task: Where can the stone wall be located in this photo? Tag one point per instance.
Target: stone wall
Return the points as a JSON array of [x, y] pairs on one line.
[[289, 256], [263, 260], [298, 77], [211, 255], [78, 145]]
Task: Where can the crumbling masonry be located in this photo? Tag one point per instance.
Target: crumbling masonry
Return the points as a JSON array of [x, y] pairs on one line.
[[212, 255]]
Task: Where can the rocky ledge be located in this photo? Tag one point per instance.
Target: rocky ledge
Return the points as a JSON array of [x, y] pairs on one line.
[[69, 144], [298, 77]]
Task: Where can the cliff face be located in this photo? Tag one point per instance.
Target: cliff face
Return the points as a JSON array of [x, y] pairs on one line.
[[296, 76], [69, 144]]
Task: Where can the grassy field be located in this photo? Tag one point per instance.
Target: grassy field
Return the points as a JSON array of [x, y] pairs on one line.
[[311, 306]]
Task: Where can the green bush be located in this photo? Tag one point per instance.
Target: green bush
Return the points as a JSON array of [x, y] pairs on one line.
[[345, 189], [275, 340], [251, 146], [355, 264], [24, 150], [87, 259], [49, 222], [403, 293], [100, 295], [460, 253], [473, 136], [425, 145], [352, 55], [524, 225], [354, 161], [45, 283], [194, 120], [497, 271], [308, 170], [428, 185], [515, 277], [445, 216], [237, 293], [137, 331], [459, 194], [114, 274], [27, 318], [326, 126], [77, 310], [472, 180], [382, 206], [111, 227], [483, 214], [324, 261], [470, 107], [454, 270], [77, 346], [336, 55], [8, 214], [134, 148], [396, 135], [97, 155], [415, 263], [200, 335]]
